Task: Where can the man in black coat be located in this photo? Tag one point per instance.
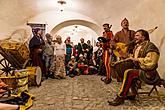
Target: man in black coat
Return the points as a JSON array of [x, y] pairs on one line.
[[82, 47]]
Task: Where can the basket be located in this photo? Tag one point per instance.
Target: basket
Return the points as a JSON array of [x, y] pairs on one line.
[[10, 81], [16, 84]]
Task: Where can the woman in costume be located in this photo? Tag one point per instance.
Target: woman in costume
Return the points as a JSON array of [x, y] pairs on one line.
[[60, 52], [36, 50]]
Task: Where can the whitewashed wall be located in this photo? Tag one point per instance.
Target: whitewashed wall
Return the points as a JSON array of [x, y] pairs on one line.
[[144, 14]]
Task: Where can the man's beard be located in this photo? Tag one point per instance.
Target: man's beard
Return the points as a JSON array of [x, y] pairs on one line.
[[126, 26], [138, 41]]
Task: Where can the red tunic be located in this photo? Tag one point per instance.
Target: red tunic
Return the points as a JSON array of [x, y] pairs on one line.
[[108, 35], [106, 55]]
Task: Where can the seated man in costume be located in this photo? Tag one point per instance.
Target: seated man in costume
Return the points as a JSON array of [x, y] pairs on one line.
[[145, 58], [82, 64], [72, 67]]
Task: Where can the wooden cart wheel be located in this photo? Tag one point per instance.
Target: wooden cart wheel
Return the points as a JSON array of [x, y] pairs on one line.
[[6, 67]]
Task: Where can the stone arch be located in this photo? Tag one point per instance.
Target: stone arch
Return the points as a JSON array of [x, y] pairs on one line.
[[88, 24]]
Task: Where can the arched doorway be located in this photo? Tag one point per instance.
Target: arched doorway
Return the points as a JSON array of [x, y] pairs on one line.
[[77, 29]]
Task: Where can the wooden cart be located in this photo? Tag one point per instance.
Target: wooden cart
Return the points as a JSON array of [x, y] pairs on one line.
[[14, 56]]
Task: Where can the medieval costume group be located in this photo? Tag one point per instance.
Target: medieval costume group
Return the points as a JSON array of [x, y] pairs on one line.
[[58, 58]]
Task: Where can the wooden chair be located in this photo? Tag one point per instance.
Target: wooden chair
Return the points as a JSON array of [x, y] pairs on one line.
[[156, 82]]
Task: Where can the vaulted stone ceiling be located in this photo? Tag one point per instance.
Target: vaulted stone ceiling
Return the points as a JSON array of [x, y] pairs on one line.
[[17, 12], [144, 14]]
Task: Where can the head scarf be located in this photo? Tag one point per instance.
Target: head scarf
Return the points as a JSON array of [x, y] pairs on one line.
[[35, 31], [68, 39]]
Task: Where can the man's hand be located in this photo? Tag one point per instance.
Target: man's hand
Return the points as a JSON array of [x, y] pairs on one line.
[[110, 51], [39, 50], [134, 59]]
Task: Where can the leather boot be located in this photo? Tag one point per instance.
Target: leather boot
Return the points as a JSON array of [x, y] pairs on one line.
[[117, 101], [131, 97], [106, 81]]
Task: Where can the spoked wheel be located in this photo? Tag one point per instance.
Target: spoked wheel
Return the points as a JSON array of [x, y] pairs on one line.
[[6, 67]]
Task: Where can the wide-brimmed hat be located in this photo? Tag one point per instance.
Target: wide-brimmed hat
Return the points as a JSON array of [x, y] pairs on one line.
[[103, 39], [105, 24]]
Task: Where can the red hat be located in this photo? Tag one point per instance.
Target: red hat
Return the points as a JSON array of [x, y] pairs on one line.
[[125, 19]]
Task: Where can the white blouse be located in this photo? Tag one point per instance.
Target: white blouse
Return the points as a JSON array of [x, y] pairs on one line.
[[59, 49]]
